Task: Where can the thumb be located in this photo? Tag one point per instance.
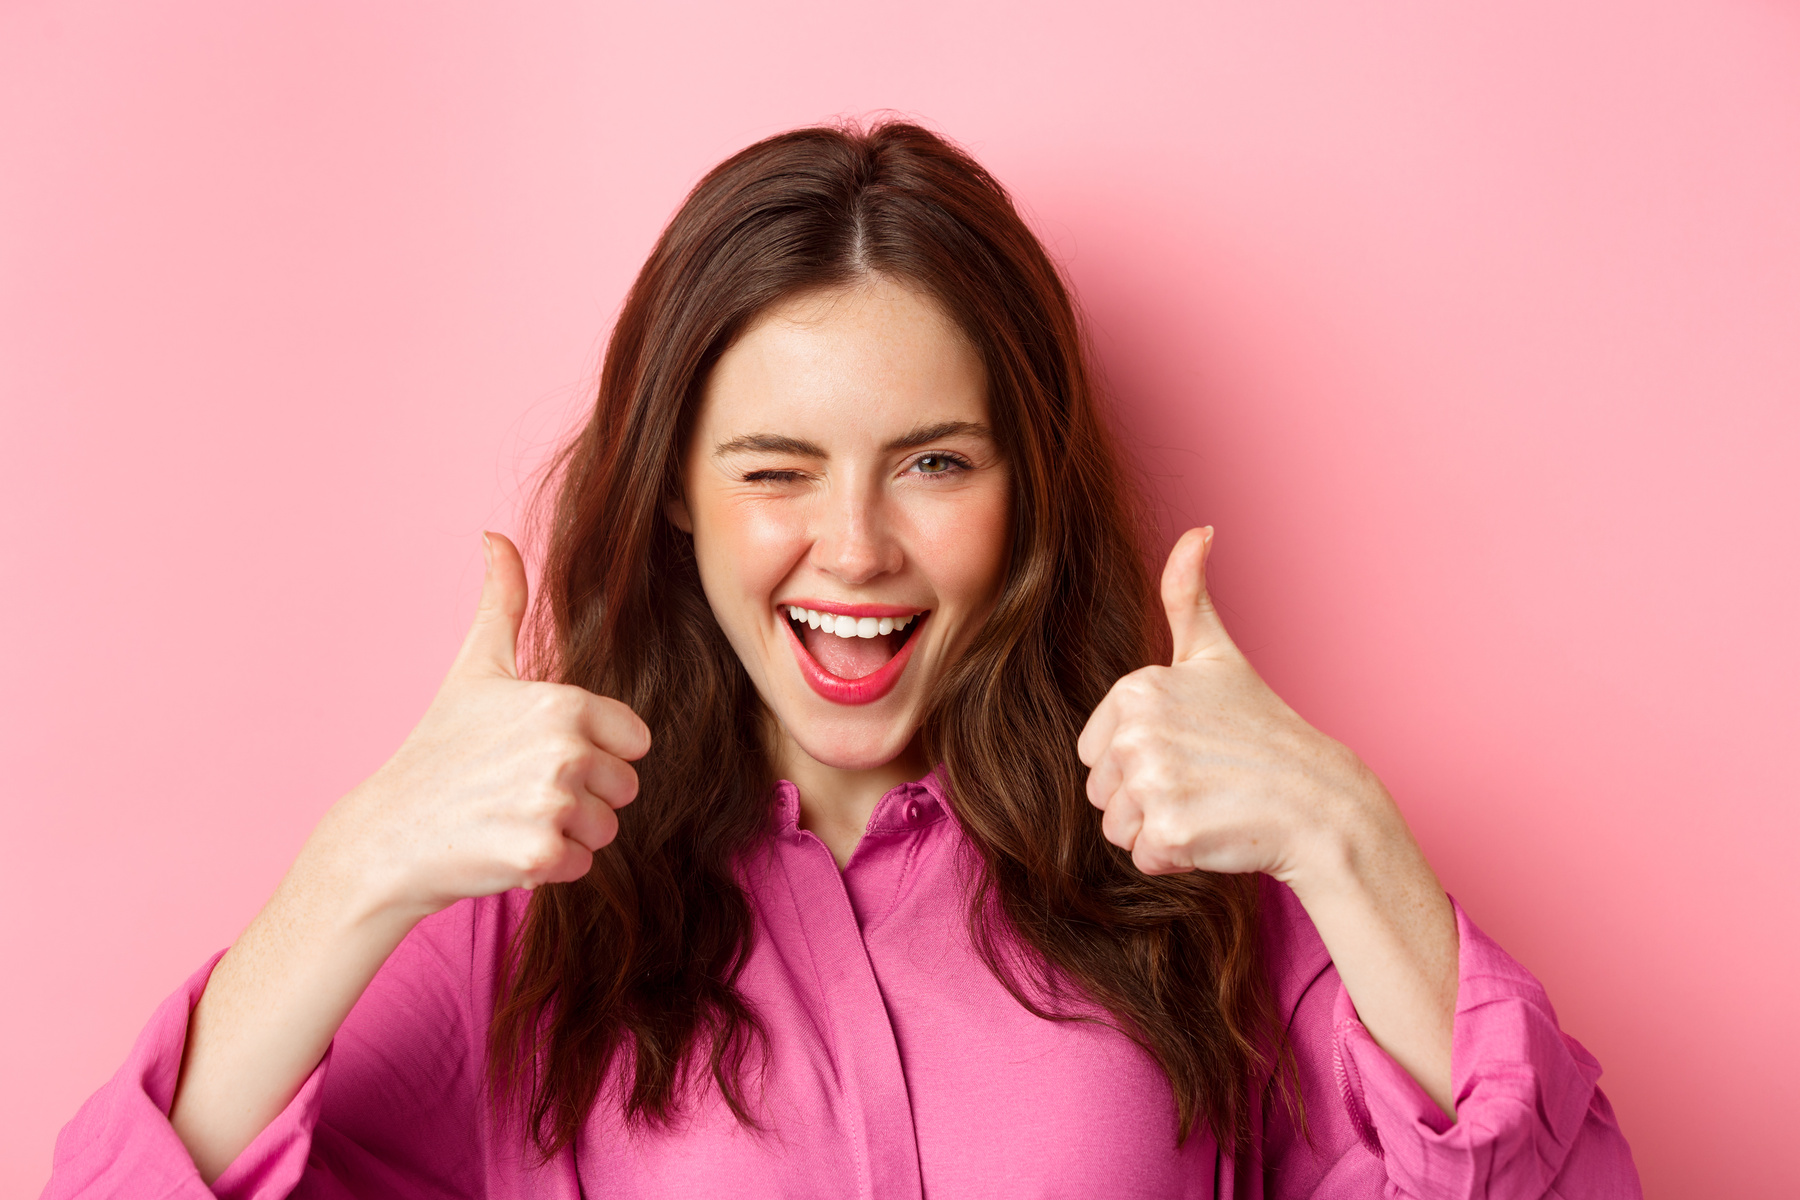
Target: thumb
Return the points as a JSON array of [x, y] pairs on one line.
[[491, 647], [1193, 620]]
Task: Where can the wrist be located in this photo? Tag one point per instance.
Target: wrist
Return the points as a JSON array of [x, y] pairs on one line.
[[348, 860], [1357, 836]]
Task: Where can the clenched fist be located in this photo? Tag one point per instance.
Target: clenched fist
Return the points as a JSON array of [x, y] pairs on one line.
[[1199, 765], [504, 783]]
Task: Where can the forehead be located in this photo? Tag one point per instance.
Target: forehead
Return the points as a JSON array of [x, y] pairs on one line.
[[871, 355]]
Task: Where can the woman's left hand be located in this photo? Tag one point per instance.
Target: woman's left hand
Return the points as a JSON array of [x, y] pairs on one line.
[[1200, 766]]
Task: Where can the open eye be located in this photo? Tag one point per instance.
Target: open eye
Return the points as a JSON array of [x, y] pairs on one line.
[[938, 463]]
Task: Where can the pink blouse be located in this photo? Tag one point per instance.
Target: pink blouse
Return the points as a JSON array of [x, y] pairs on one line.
[[898, 1067]]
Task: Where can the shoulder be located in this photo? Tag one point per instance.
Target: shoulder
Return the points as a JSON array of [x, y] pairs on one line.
[[1294, 953]]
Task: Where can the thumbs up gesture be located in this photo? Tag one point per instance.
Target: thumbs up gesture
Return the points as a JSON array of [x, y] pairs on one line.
[[1200, 766], [504, 783]]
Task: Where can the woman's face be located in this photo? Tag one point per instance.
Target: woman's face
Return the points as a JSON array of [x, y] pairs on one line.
[[849, 510]]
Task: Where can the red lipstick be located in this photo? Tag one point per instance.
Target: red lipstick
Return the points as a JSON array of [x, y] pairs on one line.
[[850, 610]]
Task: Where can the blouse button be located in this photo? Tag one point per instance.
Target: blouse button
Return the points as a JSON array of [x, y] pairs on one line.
[[912, 810]]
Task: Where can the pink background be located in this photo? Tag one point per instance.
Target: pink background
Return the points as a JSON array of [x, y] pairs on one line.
[[1476, 333]]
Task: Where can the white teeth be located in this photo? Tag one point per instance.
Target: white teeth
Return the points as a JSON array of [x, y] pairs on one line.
[[848, 626]]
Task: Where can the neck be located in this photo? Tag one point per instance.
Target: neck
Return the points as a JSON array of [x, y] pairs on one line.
[[835, 802]]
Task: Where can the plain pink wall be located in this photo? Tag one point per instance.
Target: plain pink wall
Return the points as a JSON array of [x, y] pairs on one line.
[[1475, 332]]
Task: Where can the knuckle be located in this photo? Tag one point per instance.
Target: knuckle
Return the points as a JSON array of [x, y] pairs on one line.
[[539, 855], [552, 802], [558, 701], [571, 703], [1162, 827], [1149, 801], [565, 750], [1157, 772], [1142, 689], [1131, 688], [1135, 740], [1149, 682]]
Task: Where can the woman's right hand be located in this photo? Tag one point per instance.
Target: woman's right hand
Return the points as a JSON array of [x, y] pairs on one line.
[[505, 783]]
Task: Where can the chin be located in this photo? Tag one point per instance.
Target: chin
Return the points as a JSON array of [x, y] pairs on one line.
[[852, 749]]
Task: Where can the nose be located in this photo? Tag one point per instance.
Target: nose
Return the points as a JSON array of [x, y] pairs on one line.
[[854, 539]]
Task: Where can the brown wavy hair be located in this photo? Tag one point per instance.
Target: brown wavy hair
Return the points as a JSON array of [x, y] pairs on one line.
[[625, 980]]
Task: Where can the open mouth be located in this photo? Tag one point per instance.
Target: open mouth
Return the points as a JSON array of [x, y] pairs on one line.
[[852, 654]]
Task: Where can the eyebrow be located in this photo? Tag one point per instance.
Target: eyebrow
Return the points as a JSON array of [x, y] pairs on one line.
[[778, 443]]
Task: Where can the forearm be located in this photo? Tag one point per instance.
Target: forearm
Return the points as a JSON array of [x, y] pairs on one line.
[[1391, 933], [503, 784], [276, 1000]]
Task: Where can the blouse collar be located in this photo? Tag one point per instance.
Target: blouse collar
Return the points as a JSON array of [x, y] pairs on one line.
[[904, 807]]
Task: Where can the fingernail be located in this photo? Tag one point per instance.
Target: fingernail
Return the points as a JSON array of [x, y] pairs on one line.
[[487, 549]]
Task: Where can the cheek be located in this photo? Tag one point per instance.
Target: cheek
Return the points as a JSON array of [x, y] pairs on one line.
[[964, 548], [745, 549]]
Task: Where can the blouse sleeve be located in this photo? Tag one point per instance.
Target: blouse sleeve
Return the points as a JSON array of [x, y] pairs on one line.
[[1531, 1122], [391, 1109]]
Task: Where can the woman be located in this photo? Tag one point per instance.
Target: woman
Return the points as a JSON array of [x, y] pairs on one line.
[[855, 850]]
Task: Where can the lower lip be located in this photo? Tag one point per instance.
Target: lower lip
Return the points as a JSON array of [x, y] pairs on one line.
[[868, 689]]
